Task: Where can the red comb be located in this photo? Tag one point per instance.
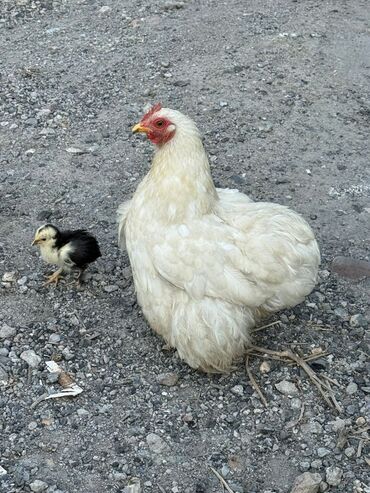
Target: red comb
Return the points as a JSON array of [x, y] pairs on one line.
[[152, 110]]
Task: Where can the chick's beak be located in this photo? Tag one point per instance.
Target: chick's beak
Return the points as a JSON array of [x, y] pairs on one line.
[[35, 242], [140, 128]]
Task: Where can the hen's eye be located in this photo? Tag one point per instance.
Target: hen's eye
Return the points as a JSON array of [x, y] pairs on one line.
[[160, 123]]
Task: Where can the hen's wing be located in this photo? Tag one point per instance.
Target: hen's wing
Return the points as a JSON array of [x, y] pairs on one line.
[[248, 253], [121, 219], [210, 258]]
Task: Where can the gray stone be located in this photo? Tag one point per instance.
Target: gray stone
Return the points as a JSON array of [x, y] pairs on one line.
[[82, 412], [307, 483], [53, 377], [304, 466], [296, 403], [351, 388], [168, 379], [37, 486], [105, 9], [31, 358], [323, 452], [287, 388], [312, 428], [67, 354], [111, 288], [4, 377], [133, 488], [6, 331], [155, 443], [338, 425], [75, 150], [341, 313], [316, 464], [349, 451], [238, 390], [358, 320], [54, 338], [9, 277], [333, 475]]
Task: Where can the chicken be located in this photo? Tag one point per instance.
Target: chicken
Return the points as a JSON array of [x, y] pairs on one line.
[[208, 263], [71, 250]]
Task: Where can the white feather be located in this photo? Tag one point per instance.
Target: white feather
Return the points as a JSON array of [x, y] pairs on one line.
[[207, 263]]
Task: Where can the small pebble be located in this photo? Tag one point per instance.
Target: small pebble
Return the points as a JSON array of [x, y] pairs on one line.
[[31, 358], [9, 277], [155, 443], [287, 388], [307, 482], [67, 354], [105, 9], [349, 451], [296, 403], [82, 412], [168, 379], [54, 338], [265, 367], [238, 390], [358, 320], [52, 377], [316, 464], [4, 377], [38, 486], [75, 150], [6, 331], [333, 475], [351, 388], [323, 452], [111, 288]]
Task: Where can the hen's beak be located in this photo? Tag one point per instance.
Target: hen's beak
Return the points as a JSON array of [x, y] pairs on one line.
[[140, 128]]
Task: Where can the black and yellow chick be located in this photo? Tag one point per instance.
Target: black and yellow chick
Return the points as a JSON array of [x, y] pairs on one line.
[[70, 250]]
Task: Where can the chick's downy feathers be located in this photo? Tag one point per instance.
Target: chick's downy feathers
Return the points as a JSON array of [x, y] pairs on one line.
[[67, 249], [208, 263]]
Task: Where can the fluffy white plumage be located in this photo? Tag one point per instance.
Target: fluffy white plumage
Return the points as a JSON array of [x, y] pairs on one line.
[[208, 263]]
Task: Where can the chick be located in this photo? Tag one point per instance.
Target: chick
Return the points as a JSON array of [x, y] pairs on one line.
[[70, 250]]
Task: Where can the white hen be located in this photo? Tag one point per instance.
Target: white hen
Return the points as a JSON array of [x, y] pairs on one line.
[[208, 263]]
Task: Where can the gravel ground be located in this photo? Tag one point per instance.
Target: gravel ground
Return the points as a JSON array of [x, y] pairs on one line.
[[280, 90]]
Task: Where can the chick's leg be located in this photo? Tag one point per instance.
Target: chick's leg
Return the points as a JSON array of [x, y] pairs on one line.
[[54, 278], [79, 276]]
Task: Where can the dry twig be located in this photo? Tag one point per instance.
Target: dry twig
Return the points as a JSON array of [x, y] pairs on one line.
[[289, 355], [257, 329], [221, 479], [254, 383], [297, 421]]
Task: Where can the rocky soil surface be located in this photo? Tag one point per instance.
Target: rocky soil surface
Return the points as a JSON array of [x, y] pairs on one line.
[[280, 90]]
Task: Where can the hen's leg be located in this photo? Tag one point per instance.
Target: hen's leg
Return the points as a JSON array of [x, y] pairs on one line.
[[54, 278]]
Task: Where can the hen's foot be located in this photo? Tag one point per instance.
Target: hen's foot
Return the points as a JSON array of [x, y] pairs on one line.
[[54, 278], [289, 356]]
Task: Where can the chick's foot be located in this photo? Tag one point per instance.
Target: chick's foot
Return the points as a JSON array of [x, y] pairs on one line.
[[54, 278]]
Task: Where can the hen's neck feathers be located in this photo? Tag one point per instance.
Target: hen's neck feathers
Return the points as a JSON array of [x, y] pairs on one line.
[[179, 185]]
